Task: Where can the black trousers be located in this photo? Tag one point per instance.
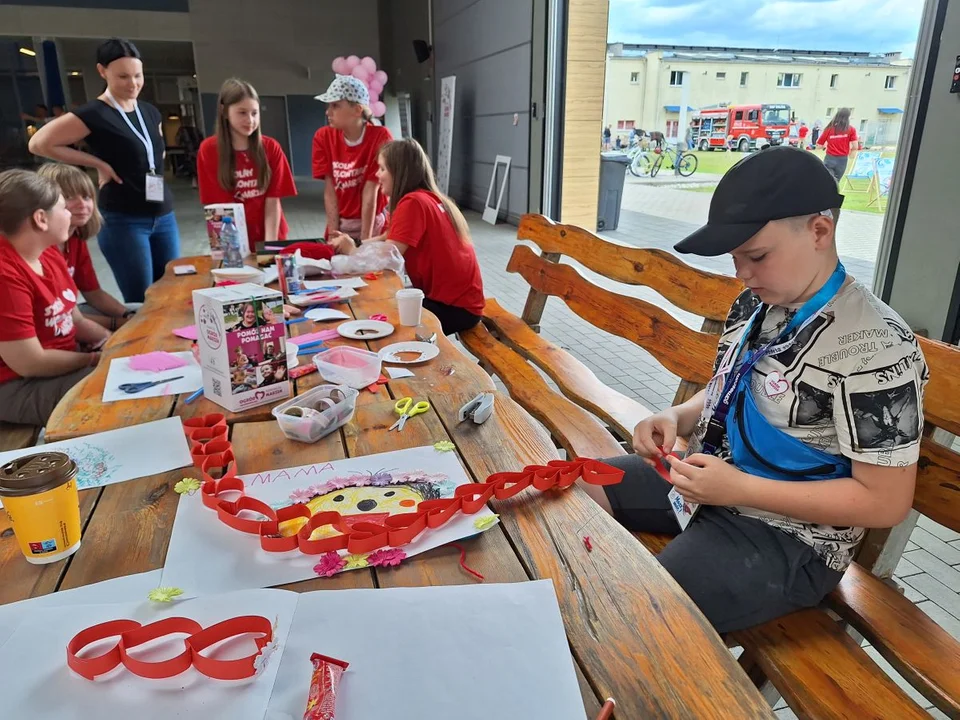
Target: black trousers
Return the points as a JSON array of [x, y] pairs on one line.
[[452, 319]]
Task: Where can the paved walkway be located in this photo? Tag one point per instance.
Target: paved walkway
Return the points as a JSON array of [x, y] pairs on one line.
[[652, 217]]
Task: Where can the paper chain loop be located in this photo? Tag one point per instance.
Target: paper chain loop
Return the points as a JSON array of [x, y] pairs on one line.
[[364, 537], [131, 634]]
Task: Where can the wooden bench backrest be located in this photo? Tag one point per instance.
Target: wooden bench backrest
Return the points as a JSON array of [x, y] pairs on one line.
[[689, 353]]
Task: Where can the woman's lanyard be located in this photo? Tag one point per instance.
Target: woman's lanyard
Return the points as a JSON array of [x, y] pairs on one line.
[[718, 401], [154, 183]]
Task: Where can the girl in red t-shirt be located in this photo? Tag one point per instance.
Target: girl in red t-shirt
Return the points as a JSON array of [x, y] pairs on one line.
[[85, 222], [431, 233], [345, 158], [840, 139], [40, 325], [241, 165]]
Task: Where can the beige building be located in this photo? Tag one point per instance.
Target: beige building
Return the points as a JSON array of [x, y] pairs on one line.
[[644, 85]]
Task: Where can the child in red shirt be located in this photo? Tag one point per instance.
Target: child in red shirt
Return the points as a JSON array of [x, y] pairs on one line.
[[240, 164], [345, 158], [840, 138], [40, 325], [431, 233], [85, 222]]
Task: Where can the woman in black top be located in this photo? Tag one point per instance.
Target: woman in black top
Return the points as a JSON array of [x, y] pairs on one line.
[[139, 235]]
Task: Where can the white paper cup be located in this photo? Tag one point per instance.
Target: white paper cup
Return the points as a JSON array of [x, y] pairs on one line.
[[410, 305]]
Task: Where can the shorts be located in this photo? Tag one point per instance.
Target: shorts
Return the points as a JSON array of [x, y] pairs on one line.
[[739, 571]]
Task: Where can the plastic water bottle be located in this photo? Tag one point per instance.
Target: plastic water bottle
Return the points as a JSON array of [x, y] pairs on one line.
[[230, 240]]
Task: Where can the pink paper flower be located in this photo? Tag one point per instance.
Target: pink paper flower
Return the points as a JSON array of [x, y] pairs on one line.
[[330, 564], [301, 496], [320, 489], [360, 480], [390, 557]]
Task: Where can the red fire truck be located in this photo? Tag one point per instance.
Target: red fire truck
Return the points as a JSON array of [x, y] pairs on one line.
[[741, 127]]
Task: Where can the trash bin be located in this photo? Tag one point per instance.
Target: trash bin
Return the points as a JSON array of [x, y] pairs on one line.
[[613, 170]]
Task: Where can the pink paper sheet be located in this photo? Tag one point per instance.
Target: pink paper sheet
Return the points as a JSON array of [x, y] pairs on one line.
[[188, 332], [156, 362], [319, 335]]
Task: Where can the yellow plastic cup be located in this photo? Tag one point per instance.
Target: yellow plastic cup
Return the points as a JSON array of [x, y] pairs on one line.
[[39, 493]]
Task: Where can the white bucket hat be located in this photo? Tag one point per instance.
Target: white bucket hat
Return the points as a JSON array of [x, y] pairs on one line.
[[346, 87]]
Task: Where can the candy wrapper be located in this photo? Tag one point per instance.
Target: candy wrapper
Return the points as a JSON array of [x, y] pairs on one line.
[[322, 701]]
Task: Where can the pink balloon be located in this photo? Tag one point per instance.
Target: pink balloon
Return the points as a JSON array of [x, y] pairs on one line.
[[352, 62], [338, 64], [370, 64], [374, 98], [379, 109], [381, 77], [361, 73], [376, 87]]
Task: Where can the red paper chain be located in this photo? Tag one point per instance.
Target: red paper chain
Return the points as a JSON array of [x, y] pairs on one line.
[[366, 537], [130, 634]]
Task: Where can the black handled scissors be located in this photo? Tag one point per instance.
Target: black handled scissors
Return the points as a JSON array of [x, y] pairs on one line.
[[134, 388]]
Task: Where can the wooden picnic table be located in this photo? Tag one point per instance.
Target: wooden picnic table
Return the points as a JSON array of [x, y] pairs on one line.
[[633, 633]]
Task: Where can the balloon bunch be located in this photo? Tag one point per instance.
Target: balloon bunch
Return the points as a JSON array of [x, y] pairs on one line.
[[365, 70]]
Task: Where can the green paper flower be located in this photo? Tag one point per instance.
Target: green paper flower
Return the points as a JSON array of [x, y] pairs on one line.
[[164, 594], [486, 522], [355, 562], [444, 446], [187, 486]]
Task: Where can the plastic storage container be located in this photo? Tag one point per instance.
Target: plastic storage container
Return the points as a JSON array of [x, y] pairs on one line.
[[348, 366], [332, 407]]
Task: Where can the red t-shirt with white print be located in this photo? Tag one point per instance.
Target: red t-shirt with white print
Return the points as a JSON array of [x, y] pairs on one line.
[[352, 166], [35, 306], [246, 191], [438, 261], [80, 265], [837, 143]]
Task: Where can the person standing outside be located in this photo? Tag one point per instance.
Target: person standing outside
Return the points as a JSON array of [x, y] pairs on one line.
[[839, 139], [345, 158], [242, 165], [607, 134], [803, 132], [815, 133], [140, 235]]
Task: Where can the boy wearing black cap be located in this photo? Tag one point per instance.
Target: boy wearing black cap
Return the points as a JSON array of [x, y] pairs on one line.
[[809, 431]]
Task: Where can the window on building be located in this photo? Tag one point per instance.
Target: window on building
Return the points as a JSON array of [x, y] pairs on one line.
[[863, 127], [676, 78], [829, 112], [833, 80], [890, 83], [743, 78], [789, 79], [634, 78], [721, 76], [625, 124], [672, 128]]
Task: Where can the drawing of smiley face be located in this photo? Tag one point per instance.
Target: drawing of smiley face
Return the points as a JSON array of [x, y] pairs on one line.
[[358, 504]]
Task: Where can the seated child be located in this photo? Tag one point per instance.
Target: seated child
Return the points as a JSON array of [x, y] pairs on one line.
[[85, 222], [809, 431]]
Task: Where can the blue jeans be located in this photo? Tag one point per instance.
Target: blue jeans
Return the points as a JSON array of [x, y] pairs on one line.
[[138, 248]]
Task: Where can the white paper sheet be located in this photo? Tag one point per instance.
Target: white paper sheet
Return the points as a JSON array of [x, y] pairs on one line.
[[347, 282], [232, 560], [397, 373], [471, 652], [120, 373], [323, 314], [270, 274], [121, 455], [35, 682], [130, 588]]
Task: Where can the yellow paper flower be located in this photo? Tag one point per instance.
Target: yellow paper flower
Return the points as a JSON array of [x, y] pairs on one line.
[[164, 594], [187, 486], [444, 446], [355, 562], [486, 522]]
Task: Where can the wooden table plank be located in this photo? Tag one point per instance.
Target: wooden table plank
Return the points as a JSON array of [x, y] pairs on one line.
[[22, 580], [168, 306]]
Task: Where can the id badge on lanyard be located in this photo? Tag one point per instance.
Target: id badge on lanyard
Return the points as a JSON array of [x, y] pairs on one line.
[[153, 181]]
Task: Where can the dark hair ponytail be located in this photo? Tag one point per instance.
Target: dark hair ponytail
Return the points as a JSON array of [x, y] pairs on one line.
[[114, 49]]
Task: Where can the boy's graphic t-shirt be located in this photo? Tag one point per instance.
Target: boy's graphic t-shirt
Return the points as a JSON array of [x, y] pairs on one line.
[[851, 384]]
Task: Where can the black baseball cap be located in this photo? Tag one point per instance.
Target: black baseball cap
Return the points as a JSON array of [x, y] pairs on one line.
[[771, 184]]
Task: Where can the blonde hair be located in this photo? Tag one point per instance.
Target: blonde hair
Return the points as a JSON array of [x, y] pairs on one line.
[[410, 168], [233, 91], [22, 193], [74, 182]]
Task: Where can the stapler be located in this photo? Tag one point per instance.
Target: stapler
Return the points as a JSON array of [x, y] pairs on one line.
[[479, 409]]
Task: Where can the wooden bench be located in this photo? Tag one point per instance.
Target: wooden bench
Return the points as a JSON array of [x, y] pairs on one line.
[[17, 437], [810, 658]]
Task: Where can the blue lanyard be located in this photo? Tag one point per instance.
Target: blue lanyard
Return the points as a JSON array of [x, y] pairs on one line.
[[802, 317]]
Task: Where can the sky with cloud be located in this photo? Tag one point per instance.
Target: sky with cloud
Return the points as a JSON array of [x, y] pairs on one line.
[[861, 25]]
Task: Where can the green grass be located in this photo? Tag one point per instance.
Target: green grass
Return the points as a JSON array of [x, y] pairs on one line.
[[719, 162]]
